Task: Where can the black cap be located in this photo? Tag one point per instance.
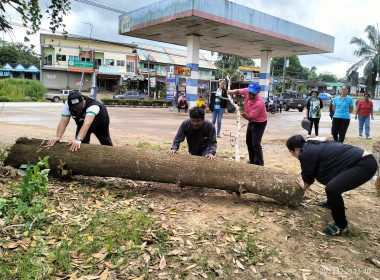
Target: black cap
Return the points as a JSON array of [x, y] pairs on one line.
[[75, 100]]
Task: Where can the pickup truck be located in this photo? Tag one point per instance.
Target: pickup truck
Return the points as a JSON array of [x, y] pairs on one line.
[[131, 95], [56, 97], [292, 100]]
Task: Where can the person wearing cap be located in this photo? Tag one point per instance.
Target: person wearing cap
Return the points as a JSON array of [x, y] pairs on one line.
[[342, 107], [218, 105], [256, 114], [364, 109], [313, 111], [90, 117], [199, 133]]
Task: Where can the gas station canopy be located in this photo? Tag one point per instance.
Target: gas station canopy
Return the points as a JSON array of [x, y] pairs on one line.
[[223, 27]]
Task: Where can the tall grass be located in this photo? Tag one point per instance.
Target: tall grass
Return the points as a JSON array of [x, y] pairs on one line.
[[19, 88]]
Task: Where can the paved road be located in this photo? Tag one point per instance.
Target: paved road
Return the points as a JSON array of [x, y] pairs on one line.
[[149, 124]]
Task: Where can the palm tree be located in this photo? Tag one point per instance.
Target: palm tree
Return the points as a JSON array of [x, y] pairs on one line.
[[370, 57]]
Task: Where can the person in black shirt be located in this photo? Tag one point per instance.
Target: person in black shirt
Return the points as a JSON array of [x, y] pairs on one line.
[[90, 117], [338, 166], [199, 133]]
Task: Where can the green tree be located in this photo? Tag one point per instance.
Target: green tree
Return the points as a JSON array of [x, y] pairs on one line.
[[370, 57], [327, 78], [17, 53], [229, 64], [294, 70], [31, 15]]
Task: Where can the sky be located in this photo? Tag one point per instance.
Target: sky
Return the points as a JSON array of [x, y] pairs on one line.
[[342, 19]]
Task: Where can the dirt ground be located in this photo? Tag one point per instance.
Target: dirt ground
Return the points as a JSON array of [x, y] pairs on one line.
[[304, 252]]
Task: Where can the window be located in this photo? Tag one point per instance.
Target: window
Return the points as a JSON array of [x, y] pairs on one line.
[[61, 57], [110, 62], [130, 66], [151, 66], [48, 59], [73, 57], [98, 61], [85, 59], [120, 63]]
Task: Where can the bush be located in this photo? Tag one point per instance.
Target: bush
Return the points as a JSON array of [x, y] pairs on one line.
[[132, 102], [22, 88]]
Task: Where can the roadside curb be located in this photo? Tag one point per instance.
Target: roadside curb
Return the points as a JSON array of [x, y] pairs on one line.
[[132, 106]]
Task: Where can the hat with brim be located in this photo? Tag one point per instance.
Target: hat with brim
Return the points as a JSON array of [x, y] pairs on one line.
[[75, 100], [254, 87], [314, 90]]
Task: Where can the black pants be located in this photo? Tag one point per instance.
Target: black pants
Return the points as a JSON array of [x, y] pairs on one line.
[[102, 132], [255, 131], [316, 125], [339, 128], [349, 179]]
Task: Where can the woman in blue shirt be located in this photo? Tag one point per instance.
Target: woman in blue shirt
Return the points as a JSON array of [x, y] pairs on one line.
[[343, 107]]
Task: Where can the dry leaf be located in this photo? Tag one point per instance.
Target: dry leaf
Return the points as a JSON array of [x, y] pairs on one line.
[[162, 263], [12, 245], [217, 250], [190, 267], [104, 274], [240, 265], [253, 269], [90, 238], [146, 257], [176, 252]]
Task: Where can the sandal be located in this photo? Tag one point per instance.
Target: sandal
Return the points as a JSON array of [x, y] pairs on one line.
[[335, 230], [324, 204]]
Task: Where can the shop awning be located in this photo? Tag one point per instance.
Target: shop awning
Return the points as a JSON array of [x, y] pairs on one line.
[[335, 84]]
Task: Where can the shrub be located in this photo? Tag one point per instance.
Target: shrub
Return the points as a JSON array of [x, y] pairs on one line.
[[21, 88]]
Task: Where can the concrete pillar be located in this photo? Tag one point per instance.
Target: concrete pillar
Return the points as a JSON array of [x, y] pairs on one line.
[[265, 72], [193, 63]]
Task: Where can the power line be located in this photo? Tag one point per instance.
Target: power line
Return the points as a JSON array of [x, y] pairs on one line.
[[336, 58], [101, 6]]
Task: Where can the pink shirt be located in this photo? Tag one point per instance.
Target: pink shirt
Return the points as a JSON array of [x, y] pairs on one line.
[[255, 108]]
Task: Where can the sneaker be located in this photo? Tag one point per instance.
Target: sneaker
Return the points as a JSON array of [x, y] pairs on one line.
[[359, 136], [369, 137], [324, 204], [218, 136], [308, 136], [335, 230]]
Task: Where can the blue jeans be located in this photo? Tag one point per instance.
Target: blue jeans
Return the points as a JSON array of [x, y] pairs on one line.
[[364, 120], [217, 113]]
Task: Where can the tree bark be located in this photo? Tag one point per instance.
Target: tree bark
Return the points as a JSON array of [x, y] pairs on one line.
[[149, 165]]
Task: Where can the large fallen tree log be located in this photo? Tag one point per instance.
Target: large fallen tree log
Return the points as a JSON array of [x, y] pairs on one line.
[[148, 165]]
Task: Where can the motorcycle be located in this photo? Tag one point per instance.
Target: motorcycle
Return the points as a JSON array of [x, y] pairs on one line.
[[271, 107]]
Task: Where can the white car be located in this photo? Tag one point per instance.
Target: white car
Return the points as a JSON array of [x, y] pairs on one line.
[[56, 97]]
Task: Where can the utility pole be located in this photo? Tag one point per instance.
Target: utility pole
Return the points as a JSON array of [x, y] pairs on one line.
[[148, 77], [88, 49], [283, 75]]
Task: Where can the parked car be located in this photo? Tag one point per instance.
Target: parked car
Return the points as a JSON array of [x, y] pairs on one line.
[[131, 95], [325, 96], [56, 97], [293, 100]]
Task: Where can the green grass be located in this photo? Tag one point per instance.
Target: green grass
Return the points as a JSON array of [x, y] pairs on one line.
[[126, 229], [21, 88]]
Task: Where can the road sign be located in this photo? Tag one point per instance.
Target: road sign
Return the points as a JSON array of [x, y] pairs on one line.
[[179, 70], [275, 81]]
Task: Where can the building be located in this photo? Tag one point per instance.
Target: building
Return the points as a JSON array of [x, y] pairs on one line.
[[248, 73], [155, 61], [105, 63], [30, 72]]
